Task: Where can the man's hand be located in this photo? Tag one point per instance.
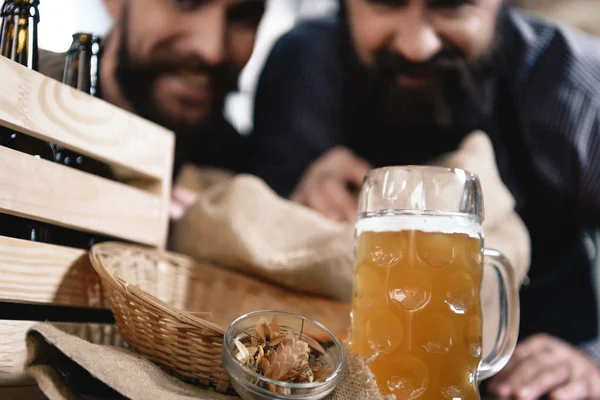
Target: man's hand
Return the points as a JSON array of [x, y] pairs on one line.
[[544, 365], [181, 200], [329, 186]]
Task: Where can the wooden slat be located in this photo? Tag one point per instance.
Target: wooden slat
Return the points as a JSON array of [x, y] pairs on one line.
[[137, 150], [42, 273], [13, 354], [53, 193], [47, 109]]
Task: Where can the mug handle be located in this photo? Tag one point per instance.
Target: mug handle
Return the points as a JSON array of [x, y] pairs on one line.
[[508, 332]]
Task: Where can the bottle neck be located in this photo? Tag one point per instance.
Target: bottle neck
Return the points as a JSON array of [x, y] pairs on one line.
[[19, 33], [83, 64]]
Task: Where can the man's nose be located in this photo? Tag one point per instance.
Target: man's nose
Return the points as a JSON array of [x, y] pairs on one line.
[[415, 37], [207, 35]]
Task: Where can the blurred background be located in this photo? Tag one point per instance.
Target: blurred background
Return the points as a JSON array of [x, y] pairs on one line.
[[61, 18]]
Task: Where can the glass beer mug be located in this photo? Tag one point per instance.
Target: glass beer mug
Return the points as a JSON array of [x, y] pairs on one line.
[[416, 309]]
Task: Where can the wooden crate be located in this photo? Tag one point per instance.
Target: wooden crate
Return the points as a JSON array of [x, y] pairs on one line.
[[135, 209]]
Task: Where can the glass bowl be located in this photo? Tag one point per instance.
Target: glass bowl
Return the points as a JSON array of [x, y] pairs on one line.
[[250, 385]]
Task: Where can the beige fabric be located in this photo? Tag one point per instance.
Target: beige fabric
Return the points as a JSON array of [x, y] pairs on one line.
[[67, 367], [243, 224], [240, 222]]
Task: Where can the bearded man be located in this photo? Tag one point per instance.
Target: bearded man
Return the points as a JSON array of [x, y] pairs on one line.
[[388, 82], [173, 62]]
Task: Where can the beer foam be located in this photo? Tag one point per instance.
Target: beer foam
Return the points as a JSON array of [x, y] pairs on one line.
[[423, 223]]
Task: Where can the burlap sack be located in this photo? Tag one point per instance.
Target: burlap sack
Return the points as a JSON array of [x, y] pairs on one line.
[[66, 368], [241, 223]]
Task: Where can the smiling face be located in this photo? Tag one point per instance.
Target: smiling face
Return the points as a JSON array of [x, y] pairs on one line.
[[177, 59], [428, 52]]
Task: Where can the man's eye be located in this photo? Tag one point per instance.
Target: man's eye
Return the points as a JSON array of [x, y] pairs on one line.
[[449, 4], [248, 13], [389, 3], [188, 4]]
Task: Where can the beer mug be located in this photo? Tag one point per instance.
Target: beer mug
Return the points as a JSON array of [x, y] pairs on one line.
[[416, 309]]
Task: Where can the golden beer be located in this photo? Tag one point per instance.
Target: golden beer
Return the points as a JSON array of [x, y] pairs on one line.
[[416, 312]]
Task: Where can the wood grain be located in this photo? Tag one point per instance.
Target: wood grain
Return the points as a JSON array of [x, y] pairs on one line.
[[47, 109], [139, 152], [37, 272], [50, 192]]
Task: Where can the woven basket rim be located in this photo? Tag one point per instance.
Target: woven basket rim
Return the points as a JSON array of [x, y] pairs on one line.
[[133, 292]]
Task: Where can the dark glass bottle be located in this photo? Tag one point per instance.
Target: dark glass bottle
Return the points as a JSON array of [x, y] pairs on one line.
[[19, 42], [82, 72], [81, 65]]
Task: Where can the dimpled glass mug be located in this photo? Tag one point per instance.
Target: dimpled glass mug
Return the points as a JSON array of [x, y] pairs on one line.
[[416, 310]]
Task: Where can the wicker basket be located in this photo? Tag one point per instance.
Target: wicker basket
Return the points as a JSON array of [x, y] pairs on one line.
[[173, 311]]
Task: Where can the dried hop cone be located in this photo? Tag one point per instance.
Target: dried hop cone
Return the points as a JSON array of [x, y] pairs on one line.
[[280, 355], [288, 363], [267, 333]]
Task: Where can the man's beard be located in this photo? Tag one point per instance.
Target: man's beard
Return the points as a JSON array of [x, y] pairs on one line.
[[457, 89], [136, 81], [460, 93]]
